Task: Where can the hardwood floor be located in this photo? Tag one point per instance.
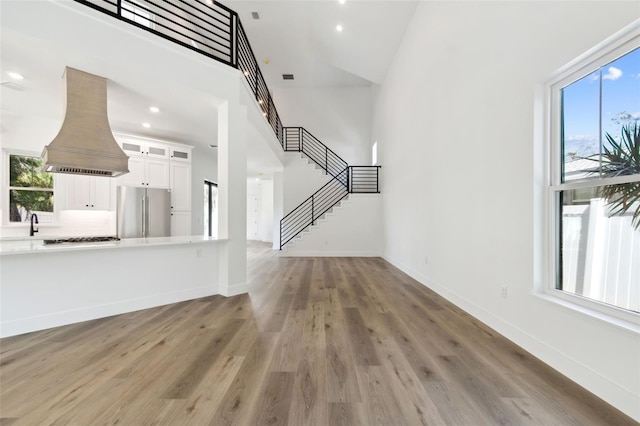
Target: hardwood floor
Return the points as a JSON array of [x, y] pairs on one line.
[[322, 341]]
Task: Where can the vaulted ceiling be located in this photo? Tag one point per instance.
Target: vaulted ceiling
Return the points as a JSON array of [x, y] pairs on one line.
[[299, 37]]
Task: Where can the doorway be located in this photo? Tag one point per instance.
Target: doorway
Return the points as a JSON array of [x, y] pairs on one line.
[[210, 209], [252, 217]]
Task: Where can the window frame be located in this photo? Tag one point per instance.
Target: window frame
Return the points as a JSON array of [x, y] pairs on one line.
[[6, 153], [621, 43]]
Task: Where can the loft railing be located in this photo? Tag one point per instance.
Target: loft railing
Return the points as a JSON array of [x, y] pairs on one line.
[[364, 179], [248, 65], [213, 30]]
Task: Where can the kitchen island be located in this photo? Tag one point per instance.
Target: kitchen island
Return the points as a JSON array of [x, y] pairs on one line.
[[43, 286]]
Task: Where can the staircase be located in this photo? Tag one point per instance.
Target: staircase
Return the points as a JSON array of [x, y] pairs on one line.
[[215, 31], [345, 180]]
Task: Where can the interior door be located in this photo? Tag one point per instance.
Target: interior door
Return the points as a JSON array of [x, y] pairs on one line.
[[252, 217]]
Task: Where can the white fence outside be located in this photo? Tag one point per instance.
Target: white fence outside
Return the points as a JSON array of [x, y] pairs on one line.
[[601, 255]]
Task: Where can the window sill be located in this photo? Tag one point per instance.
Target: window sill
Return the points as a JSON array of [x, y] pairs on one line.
[[623, 319]]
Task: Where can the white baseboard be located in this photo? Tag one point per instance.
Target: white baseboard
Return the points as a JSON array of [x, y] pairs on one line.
[[358, 253], [623, 399], [56, 319], [234, 290]]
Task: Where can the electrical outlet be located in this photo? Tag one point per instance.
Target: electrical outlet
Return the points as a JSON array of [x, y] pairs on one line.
[[503, 291]]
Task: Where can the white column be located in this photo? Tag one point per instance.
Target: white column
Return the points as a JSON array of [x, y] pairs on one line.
[[278, 207], [232, 197]]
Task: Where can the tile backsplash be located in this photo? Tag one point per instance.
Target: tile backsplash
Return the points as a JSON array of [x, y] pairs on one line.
[[71, 223]]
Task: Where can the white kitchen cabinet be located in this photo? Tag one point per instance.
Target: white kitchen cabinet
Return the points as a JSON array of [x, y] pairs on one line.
[[146, 172], [86, 192], [180, 186], [144, 148], [181, 154], [180, 223], [160, 164]]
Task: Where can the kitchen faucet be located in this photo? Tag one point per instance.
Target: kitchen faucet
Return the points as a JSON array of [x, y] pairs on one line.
[[33, 231]]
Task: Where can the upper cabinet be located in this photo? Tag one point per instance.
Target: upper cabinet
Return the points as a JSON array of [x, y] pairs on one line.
[[146, 172], [180, 186], [181, 154], [85, 192], [150, 161], [144, 148]]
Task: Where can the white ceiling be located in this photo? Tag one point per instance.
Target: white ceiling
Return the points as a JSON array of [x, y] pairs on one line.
[[296, 37], [299, 37]]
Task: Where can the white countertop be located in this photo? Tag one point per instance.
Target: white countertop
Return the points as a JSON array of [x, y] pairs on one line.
[[31, 245]]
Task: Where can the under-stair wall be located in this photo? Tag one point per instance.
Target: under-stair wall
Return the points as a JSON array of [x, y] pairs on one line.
[[351, 228], [302, 177]]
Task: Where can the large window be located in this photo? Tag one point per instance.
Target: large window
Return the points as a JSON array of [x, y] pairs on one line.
[[29, 191], [594, 194]]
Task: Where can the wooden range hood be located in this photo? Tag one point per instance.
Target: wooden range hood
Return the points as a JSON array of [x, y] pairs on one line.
[[85, 145]]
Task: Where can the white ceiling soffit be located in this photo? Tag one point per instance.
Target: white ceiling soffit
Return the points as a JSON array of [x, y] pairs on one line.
[[299, 37]]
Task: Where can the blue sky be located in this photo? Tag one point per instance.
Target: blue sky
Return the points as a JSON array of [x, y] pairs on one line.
[[620, 102]]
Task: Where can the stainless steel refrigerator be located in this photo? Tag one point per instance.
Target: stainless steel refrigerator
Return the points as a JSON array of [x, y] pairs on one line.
[[143, 212]]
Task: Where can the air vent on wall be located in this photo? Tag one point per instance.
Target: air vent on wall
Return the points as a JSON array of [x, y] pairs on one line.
[[255, 15], [287, 76]]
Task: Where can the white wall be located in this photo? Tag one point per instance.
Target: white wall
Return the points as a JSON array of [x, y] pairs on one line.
[[339, 117], [73, 286], [454, 122], [354, 228], [301, 179], [262, 189], [265, 224]]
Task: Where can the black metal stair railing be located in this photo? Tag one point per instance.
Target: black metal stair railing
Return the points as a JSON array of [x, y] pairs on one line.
[[364, 179], [301, 140], [311, 209]]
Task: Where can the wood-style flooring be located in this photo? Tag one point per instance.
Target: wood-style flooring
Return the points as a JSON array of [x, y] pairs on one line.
[[322, 341]]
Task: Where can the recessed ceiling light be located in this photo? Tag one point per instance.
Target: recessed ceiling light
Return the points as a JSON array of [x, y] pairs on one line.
[[260, 101], [154, 109], [342, 1], [339, 28], [210, 2], [146, 125], [15, 75], [246, 73]]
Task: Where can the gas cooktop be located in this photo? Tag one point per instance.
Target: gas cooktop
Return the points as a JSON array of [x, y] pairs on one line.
[[81, 240]]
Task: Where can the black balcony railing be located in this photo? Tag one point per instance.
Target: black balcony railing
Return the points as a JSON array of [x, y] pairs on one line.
[[364, 179], [213, 30]]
